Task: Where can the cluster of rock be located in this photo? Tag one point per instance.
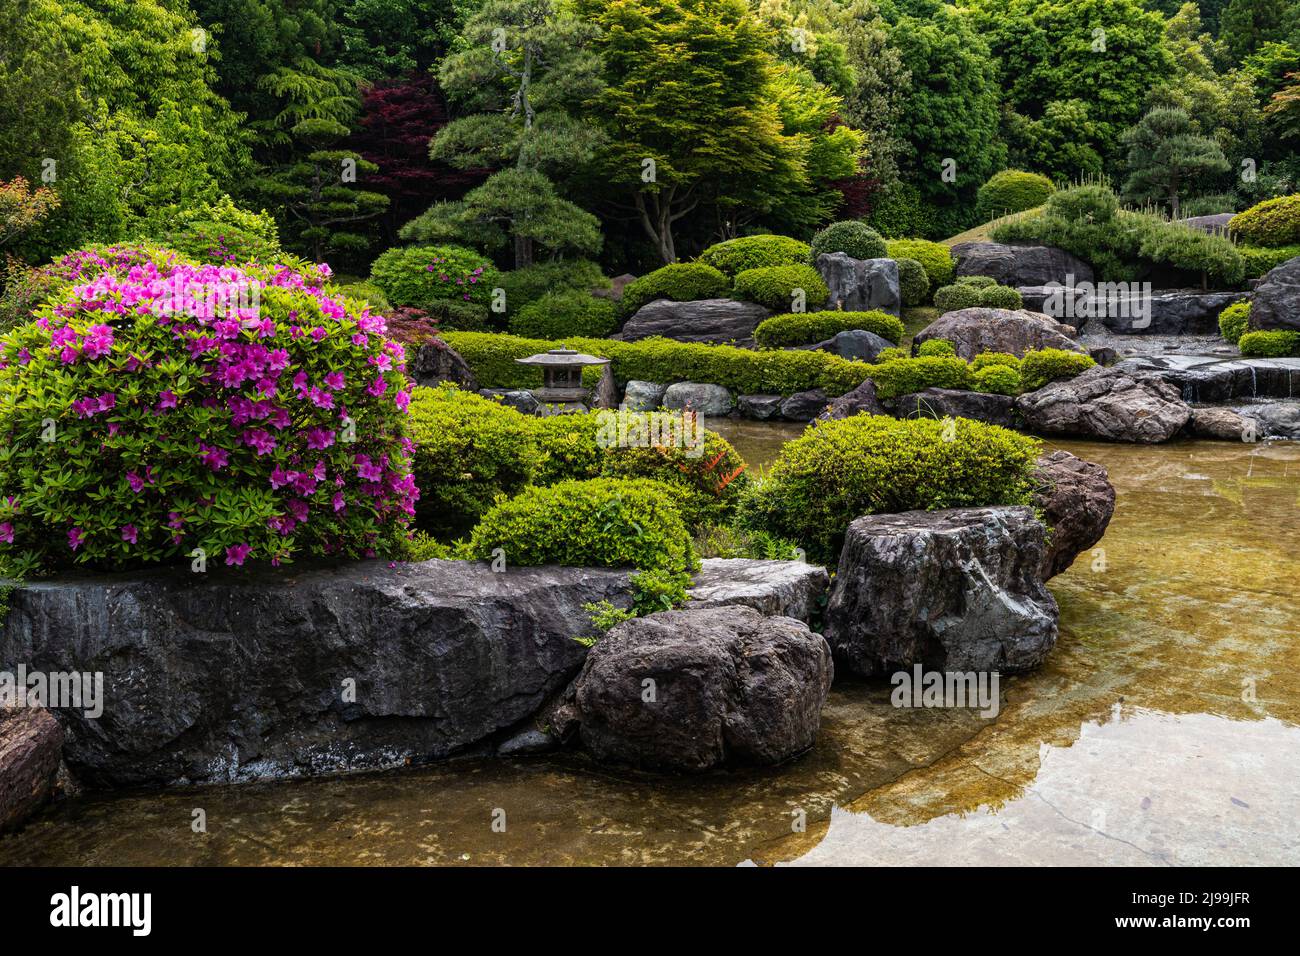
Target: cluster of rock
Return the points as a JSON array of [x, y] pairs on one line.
[[716, 401], [976, 330]]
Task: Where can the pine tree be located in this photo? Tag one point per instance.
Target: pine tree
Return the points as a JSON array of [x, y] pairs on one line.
[[1166, 156]]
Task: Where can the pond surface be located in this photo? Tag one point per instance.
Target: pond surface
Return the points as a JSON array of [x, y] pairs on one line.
[[1164, 729]]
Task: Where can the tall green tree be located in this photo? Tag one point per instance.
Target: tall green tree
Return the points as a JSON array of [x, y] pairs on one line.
[[1249, 24], [1166, 158]]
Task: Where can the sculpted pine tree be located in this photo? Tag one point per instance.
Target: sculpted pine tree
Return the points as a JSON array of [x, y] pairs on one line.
[[1166, 157]]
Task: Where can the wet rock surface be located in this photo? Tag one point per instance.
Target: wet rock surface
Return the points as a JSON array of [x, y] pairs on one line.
[[725, 685], [1169, 312], [958, 590], [972, 331], [957, 403], [1077, 501], [1214, 379], [1222, 424], [31, 742], [759, 407], [773, 588], [860, 285], [1273, 419], [1019, 265], [1110, 404], [713, 321]]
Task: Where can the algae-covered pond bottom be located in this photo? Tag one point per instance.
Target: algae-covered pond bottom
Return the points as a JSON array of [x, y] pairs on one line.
[[1164, 729]]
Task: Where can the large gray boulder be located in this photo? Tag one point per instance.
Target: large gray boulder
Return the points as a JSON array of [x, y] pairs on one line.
[[435, 362], [643, 396], [773, 588], [861, 285], [707, 399], [1123, 310], [860, 401], [1222, 424], [689, 690], [1277, 298], [714, 321], [1077, 501], [1273, 419], [805, 406], [30, 745], [1019, 265], [223, 677], [976, 330], [957, 403], [953, 590], [1110, 404], [854, 344]]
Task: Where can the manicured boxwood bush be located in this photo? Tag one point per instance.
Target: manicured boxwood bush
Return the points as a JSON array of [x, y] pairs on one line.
[[959, 295], [177, 431], [1039, 367], [809, 328], [935, 258], [977, 282], [1276, 343], [775, 286], [530, 283], [892, 354], [1274, 222], [559, 315], [746, 371], [1233, 321], [901, 376], [755, 252], [1010, 191], [913, 283], [998, 379], [1001, 297], [855, 239], [680, 282], [1258, 260], [420, 275], [971, 291], [603, 522], [871, 464], [933, 347]]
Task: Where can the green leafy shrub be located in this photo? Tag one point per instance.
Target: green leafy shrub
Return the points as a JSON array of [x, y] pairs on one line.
[[935, 258], [1011, 191], [971, 291], [913, 283], [1274, 222], [1001, 297], [747, 371], [1278, 343], [998, 379], [775, 286], [527, 285], [1233, 321], [223, 234], [933, 347], [809, 328], [873, 464], [755, 252], [568, 447], [604, 522], [420, 275], [977, 282], [680, 282], [1258, 260], [174, 430], [892, 355], [468, 450], [985, 359], [901, 376], [959, 295], [902, 211], [559, 315], [855, 239], [1041, 366], [728, 541], [1092, 204], [456, 315]]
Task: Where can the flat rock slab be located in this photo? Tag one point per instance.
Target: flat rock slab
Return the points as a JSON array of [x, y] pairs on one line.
[[1110, 404], [223, 677], [689, 690], [1213, 378], [958, 403], [1016, 331], [31, 742], [713, 321], [1168, 312], [773, 588], [1019, 265], [954, 590]]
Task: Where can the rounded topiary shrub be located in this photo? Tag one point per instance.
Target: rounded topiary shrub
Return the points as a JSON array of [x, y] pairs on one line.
[[1041, 366], [565, 314], [530, 283], [680, 282], [871, 464], [978, 282], [936, 347], [1274, 222], [959, 295], [1001, 297], [1234, 321], [223, 234], [935, 258], [778, 286], [809, 328], [468, 449], [1276, 343], [913, 283], [224, 414], [998, 379], [1010, 191], [754, 252], [972, 291], [419, 275], [1083, 204], [892, 355], [855, 239]]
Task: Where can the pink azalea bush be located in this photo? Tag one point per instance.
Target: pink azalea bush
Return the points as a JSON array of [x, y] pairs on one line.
[[421, 275], [253, 419]]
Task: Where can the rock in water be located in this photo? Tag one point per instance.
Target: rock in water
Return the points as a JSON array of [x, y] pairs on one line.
[[956, 590], [1019, 265], [805, 406], [972, 331], [861, 401], [30, 744], [759, 407], [689, 690], [958, 403], [1222, 424], [643, 396], [707, 399], [714, 321], [224, 677], [1277, 298], [773, 588], [1077, 501], [1110, 404], [861, 285]]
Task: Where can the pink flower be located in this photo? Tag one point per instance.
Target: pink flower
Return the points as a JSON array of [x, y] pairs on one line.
[[216, 458], [319, 438], [260, 440], [166, 399], [75, 538], [6, 532], [334, 380], [236, 553], [135, 481], [129, 533]]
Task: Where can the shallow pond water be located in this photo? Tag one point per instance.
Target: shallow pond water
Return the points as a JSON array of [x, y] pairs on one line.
[[1164, 729]]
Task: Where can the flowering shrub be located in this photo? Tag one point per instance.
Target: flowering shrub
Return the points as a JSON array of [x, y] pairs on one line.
[[167, 411], [420, 275]]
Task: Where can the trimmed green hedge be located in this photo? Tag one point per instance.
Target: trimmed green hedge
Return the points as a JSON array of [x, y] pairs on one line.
[[1274, 222], [1274, 343], [855, 239], [935, 258], [901, 376], [1011, 191], [872, 464], [755, 252], [1038, 368], [998, 379], [809, 328], [1234, 321], [774, 286], [933, 347], [559, 315], [913, 283], [680, 282]]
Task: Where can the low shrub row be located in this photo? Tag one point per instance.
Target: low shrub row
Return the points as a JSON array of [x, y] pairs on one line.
[[1274, 343], [809, 328], [969, 292]]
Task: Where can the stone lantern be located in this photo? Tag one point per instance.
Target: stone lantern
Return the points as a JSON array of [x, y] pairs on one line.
[[562, 375]]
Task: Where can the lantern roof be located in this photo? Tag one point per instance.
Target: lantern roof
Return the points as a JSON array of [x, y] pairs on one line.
[[562, 357]]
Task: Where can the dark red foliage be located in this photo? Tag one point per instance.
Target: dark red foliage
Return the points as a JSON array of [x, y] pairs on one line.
[[857, 193], [413, 327]]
